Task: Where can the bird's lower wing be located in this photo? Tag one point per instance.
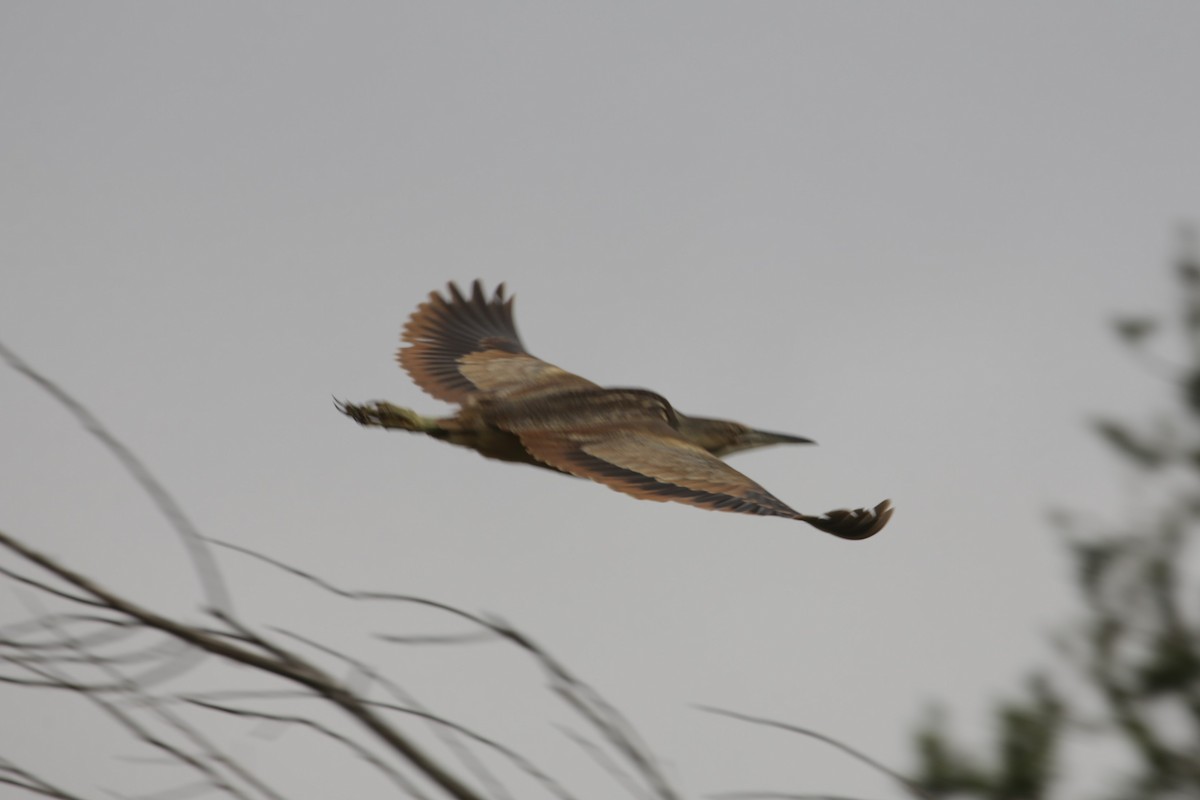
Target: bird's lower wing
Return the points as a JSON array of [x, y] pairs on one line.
[[653, 463]]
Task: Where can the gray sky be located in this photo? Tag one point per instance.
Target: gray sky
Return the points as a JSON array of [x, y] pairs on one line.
[[896, 228]]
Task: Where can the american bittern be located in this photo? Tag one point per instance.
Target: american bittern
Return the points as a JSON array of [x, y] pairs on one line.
[[516, 407]]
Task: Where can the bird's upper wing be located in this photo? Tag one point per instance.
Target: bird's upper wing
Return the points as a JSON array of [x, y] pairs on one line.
[[642, 455], [461, 345]]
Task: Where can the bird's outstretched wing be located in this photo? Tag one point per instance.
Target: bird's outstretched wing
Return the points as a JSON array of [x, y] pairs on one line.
[[460, 346], [644, 456]]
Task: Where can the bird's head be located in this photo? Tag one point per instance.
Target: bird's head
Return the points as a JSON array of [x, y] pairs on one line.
[[722, 437]]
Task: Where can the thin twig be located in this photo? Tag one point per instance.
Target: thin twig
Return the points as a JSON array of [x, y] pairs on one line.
[[584, 700], [32, 783], [606, 763], [493, 786], [303, 673], [291, 719], [211, 581], [915, 789]]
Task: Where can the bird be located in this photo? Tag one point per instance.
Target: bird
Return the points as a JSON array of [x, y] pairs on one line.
[[464, 349]]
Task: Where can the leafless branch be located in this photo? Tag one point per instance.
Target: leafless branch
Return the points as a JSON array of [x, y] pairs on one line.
[[324, 730], [211, 581], [913, 788], [576, 694], [276, 661]]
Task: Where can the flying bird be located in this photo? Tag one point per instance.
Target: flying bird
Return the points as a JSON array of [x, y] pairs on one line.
[[464, 349]]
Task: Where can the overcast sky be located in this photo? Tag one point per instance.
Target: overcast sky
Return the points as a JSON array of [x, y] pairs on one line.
[[899, 229]]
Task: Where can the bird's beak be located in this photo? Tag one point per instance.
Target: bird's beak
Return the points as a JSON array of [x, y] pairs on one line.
[[755, 438]]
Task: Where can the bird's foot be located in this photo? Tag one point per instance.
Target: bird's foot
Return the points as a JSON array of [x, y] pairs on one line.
[[381, 414]]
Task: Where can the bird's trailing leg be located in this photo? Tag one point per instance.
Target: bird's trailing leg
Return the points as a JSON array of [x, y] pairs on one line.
[[488, 441], [381, 414]]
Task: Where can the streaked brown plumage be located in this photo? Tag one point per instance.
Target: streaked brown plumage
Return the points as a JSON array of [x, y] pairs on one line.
[[516, 407]]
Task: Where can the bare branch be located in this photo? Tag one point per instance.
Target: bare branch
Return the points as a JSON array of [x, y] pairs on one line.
[[47, 588], [464, 754], [349, 594], [580, 697], [284, 665], [12, 775], [291, 719], [913, 788], [606, 763], [211, 581]]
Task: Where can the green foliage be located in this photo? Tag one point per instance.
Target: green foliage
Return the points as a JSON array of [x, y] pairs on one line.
[[1135, 651], [945, 770], [1131, 445], [1028, 731]]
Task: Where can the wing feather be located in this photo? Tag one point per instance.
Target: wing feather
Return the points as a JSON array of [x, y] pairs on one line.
[[650, 461], [643, 455], [463, 345]]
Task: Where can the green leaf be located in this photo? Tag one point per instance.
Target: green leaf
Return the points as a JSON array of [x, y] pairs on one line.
[[1134, 330], [1129, 445]]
